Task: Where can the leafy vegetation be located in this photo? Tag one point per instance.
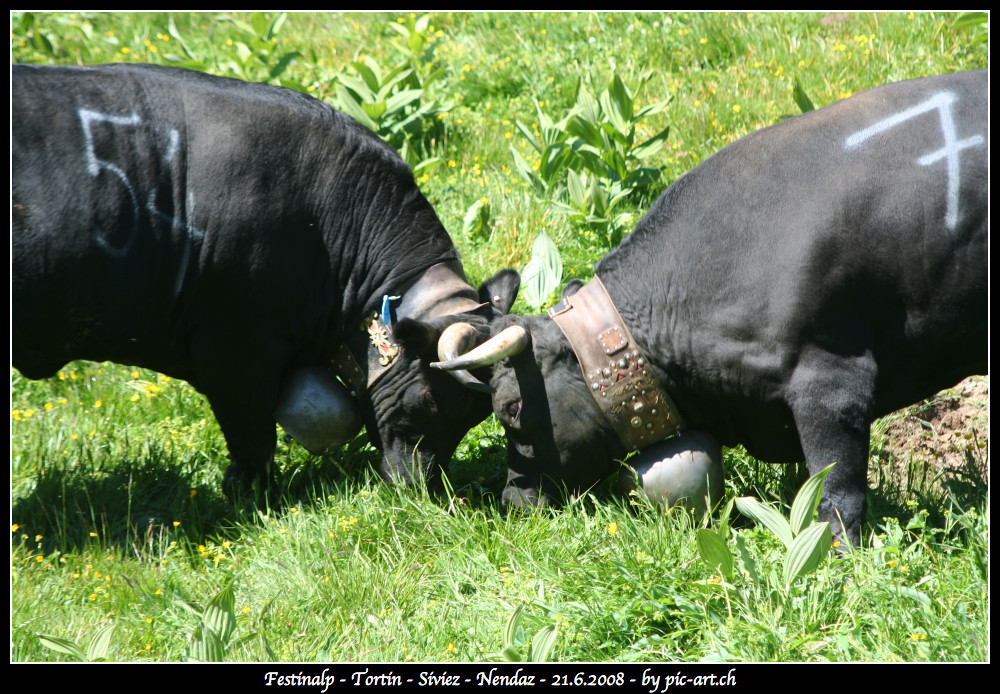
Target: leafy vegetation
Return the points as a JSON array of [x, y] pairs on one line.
[[520, 126]]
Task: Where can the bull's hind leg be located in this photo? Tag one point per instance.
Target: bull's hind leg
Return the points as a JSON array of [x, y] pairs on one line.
[[831, 398]]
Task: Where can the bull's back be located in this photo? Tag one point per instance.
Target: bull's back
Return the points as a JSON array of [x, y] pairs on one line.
[[860, 227], [129, 183]]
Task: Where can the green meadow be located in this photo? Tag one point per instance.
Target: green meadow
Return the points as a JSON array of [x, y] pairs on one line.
[[123, 547]]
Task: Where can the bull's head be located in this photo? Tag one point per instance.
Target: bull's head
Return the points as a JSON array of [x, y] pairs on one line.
[[417, 415], [557, 436]]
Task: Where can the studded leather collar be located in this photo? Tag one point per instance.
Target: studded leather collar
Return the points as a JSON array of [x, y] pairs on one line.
[[614, 368]]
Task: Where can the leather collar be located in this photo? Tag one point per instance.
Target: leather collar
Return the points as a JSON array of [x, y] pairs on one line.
[[614, 368]]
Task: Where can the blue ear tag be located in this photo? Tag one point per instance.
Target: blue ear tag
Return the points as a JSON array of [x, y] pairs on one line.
[[388, 315]]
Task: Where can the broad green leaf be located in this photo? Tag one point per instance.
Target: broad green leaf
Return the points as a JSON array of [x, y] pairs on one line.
[[243, 52], [925, 601], [220, 613], [713, 550], [806, 551], [614, 115], [528, 135], [476, 223], [176, 35], [61, 645], [374, 110], [284, 62], [553, 160], [396, 78], [970, 19], [426, 165], [293, 84], [657, 107], [621, 100], [749, 563], [724, 514], [275, 26], [577, 189], [97, 649], [205, 646], [598, 197], [211, 636], [510, 630], [369, 71], [799, 95], [586, 130], [592, 161], [587, 106], [349, 105], [541, 644], [766, 516], [403, 98], [652, 145], [358, 85], [641, 179], [526, 172], [543, 273], [258, 24], [807, 500]]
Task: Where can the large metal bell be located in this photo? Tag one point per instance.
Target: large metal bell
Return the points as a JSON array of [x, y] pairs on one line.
[[317, 410], [685, 469]]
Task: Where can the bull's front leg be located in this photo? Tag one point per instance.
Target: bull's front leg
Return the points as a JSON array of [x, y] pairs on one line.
[[832, 401], [242, 389], [250, 438]]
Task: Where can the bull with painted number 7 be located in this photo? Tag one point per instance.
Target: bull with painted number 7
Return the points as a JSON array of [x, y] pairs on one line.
[[801, 282]]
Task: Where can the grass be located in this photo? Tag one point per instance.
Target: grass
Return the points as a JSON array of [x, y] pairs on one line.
[[117, 515]]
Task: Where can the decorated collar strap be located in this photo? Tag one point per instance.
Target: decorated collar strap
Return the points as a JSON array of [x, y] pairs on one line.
[[614, 368], [381, 351]]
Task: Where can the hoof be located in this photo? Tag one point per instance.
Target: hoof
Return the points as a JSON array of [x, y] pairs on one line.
[[238, 484]]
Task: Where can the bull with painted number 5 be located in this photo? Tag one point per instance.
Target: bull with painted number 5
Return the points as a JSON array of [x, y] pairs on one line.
[[250, 240], [801, 282]]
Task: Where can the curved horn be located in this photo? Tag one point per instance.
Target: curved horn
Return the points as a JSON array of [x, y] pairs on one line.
[[507, 343], [455, 339]]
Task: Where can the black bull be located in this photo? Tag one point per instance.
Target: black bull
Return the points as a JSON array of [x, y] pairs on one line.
[[801, 282], [228, 233]]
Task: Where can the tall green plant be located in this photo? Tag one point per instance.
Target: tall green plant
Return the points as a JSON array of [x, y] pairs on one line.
[[592, 159], [399, 103], [518, 648], [396, 104], [210, 638], [806, 542], [95, 652], [251, 50]]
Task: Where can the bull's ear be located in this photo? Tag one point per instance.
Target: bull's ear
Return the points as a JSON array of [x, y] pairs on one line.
[[572, 287], [417, 337], [500, 290]]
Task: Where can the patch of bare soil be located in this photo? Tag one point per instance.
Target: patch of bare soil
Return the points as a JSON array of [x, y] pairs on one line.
[[949, 431]]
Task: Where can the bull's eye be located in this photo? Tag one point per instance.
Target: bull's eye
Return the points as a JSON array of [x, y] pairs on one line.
[[429, 400], [513, 409]]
